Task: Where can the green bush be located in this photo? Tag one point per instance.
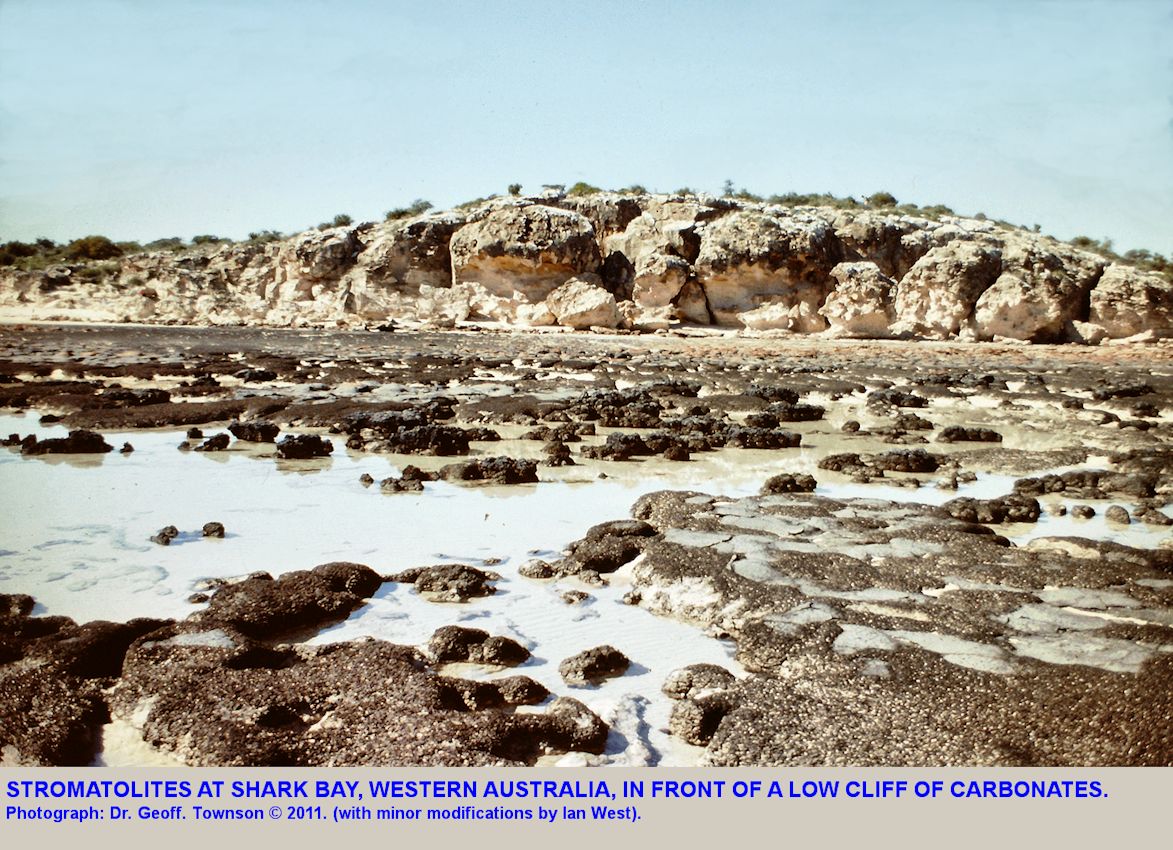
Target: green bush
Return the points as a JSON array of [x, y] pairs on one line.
[[207, 239], [264, 236], [515, 189], [169, 243], [580, 189], [417, 207], [474, 202], [881, 199], [92, 248], [342, 220], [824, 199]]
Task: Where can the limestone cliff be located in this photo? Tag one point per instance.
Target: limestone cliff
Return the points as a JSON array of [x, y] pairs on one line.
[[637, 261]]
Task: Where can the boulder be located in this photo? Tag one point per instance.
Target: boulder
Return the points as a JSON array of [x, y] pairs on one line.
[[937, 296], [1126, 302], [659, 279], [1037, 295], [861, 304], [582, 302]]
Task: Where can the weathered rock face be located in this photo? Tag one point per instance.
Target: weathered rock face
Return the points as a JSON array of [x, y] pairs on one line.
[[893, 244], [861, 303], [608, 212], [528, 251], [764, 272], [659, 279], [937, 296], [664, 260], [397, 261], [1127, 302]]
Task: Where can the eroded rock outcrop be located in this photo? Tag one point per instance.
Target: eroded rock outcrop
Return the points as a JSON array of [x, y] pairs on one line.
[[524, 252], [759, 271], [660, 261]]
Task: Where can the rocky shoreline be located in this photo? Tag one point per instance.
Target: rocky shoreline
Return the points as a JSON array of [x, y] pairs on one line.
[[892, 591], [632, 262]]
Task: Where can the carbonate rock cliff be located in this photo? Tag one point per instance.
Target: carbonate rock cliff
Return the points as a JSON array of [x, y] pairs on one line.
[[640, 262]]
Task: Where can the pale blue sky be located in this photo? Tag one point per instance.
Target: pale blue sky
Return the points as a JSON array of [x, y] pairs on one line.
[[148, 118]]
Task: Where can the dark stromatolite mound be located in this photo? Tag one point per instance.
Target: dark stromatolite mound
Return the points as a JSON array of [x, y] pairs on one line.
[[215, 443], [303, 447], [365, 702], [962, 434], [78, 442], [696, 680], [898, 460], [263, 607], [165, 535], [391, 484], [255, 432], [593, 665], [52, 676], [448, 582], [894, 397], [458, 643], [606, 547], [910, 639], [1012, 508], [787, 482], [495, 470], [1089, 484]]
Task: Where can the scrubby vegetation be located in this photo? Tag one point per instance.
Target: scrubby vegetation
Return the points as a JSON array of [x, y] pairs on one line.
[[581, 189], [340, 220], [1148, 261], [92, 248], [416, 207]]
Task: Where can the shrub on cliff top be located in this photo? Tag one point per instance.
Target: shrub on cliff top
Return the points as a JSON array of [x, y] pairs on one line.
[[581, 189], [92, 248], [417, 207]]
